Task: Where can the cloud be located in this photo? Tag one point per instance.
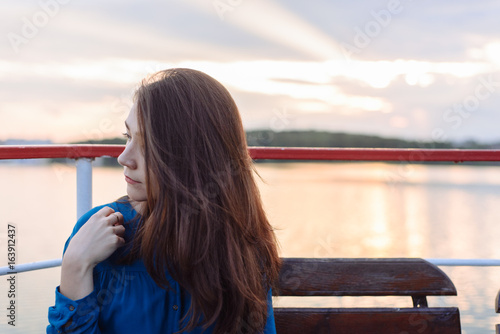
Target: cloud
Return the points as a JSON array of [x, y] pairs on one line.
[[93, 33], [81, 66]]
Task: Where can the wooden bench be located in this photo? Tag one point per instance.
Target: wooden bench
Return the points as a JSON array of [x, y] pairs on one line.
[[415, 278]]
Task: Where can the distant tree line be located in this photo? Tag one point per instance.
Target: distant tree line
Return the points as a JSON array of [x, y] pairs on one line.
[[333, 139], [269, 138]]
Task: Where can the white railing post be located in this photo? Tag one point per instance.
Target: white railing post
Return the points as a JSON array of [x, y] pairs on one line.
[[83, 186], [20, 268], [465, 262], [438, 262]]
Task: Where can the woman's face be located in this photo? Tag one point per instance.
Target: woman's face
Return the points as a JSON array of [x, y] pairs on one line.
[[132, 159]]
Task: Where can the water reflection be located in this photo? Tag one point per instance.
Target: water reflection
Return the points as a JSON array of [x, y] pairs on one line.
[[357, 210], [352, 210]]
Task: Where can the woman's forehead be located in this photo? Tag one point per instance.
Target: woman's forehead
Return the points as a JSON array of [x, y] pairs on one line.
[[131, 121]]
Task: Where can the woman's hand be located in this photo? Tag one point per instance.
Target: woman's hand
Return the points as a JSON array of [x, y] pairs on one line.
[[96, 240]]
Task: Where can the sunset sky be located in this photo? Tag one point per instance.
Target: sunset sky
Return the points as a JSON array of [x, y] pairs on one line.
[[422, 70]]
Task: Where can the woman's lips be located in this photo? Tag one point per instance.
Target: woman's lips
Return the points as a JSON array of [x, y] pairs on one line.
[[131, 181]]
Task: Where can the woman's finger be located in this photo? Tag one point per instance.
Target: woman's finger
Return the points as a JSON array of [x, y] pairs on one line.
[[120, 217], [106, 211], [119, 230], [121, 241], [115, 218]]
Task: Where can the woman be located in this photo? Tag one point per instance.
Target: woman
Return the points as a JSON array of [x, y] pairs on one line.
[[190, 248]]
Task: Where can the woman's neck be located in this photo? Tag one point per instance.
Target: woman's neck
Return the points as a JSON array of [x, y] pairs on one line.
[[139, 207]]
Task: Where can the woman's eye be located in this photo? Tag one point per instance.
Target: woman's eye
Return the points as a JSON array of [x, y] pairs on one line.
[[127, 136]]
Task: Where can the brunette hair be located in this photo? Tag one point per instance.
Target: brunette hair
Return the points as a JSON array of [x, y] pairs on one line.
[[204, 219]]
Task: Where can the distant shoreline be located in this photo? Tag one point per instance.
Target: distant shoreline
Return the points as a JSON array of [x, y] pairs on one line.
[[269, 138]]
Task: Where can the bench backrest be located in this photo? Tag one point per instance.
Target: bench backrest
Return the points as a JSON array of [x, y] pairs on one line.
[[415, 278]]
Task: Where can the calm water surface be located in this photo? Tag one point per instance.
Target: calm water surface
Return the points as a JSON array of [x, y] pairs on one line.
[[318, 209]]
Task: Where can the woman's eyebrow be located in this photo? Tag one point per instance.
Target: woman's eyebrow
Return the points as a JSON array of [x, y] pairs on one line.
[[137, 133]]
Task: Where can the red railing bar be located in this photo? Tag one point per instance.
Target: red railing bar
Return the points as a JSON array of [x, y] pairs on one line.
[[59, 151], [278, 153], [374, 154]]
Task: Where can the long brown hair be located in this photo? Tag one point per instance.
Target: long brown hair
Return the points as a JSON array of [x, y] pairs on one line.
[[204, 219]]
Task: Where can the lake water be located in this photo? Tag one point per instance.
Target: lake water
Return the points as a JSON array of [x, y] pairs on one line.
[[318, 209]]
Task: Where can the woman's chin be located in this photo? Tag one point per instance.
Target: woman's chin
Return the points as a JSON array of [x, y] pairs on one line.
[[136, 198], [138, 195]]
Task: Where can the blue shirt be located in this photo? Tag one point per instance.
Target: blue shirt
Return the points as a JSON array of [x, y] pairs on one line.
[[125, 298]]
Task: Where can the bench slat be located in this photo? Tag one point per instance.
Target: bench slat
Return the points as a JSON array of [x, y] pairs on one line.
[[363, 277], [367, 321]]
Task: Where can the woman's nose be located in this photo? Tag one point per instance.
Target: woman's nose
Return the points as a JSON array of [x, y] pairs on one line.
[[126, 160]]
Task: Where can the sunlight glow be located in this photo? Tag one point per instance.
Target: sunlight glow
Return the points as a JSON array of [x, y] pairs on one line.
[[23, 119], [379, 238], [377, 74], [320, 83], [415, 211], [492, 52], [260, 18], [270, 21]]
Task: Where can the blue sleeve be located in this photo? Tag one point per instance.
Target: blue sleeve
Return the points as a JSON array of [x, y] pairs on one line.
[[270, 325], [75, 316]]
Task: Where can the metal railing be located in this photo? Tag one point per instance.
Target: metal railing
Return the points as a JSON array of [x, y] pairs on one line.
[[85, 154]]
